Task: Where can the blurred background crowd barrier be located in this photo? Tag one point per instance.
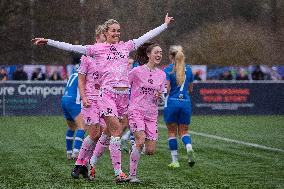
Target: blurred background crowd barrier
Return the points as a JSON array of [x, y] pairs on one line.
[[201, 72], [209, 98]]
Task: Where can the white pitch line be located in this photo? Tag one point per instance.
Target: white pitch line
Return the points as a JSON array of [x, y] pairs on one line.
[[232, 140]]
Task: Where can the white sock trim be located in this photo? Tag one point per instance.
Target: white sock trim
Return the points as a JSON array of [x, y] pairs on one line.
[[75, 150], [174, 152], [188, 147], [78, 138], [115, 140], [89, 140]]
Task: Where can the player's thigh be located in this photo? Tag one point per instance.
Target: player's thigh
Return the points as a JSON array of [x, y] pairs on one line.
[[80, 122], [124, 122], [71, 125], [114, 125], [172, 129], [136, 120], [182, 129]]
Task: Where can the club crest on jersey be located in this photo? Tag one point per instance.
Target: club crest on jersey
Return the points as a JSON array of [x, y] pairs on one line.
[[96, 75], [112, 48]]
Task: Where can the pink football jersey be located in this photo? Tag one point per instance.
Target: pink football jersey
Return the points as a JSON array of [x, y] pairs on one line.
[[90, 68], [114, 60], [145, 84]]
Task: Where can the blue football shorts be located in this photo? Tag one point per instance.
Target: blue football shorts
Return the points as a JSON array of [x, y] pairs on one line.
[[179, 115], [70, 109]]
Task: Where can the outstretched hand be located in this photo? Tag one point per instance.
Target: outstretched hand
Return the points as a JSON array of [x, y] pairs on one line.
[[168, 19], [39, 41]]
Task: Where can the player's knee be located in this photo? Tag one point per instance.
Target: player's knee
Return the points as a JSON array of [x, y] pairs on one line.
[[139, 143], [116, 131], [150, 151], [172, 134], [95, 136], [183, 132]]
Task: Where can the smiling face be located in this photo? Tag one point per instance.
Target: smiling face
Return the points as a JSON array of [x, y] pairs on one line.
[[113, 33], [155, 55]]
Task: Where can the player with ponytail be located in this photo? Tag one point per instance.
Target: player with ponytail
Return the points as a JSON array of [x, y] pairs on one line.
[[177, 111]]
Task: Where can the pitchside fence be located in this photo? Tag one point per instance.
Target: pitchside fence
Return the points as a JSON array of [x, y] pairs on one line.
[[209, 98]]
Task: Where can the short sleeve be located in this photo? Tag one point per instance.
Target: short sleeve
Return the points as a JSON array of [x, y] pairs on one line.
[[189, 74], [166, 70], [131, 75], [84, 65]]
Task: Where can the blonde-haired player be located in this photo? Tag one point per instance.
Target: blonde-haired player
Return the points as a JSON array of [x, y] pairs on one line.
[[177, 111]]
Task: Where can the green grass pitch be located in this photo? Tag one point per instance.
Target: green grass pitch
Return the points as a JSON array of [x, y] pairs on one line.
[[32, 155]]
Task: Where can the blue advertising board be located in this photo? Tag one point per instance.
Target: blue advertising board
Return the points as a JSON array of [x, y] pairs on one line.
[[238, 98], [209, 98], [31, 98]]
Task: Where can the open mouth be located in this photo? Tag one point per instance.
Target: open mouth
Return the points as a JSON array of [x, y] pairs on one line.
[[116, 37], [158, 58]]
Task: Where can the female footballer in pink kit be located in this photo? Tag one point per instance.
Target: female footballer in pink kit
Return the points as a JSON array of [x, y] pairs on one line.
[[147, 85], [89, 91], [113, 54], [88, 85]]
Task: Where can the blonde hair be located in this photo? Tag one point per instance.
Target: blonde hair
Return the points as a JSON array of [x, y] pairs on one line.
[[108, 23], [100, 29], [179, 63]]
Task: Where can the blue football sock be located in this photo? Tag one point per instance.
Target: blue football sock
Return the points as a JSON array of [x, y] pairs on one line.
[[132, 139], [173, 145], [186, 139], [69, 140], [78, 140]]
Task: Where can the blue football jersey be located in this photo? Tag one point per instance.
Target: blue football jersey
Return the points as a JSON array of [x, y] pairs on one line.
[[71, 90], [179, 93]]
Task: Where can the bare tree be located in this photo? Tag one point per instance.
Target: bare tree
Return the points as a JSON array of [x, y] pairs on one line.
[[231, 43]]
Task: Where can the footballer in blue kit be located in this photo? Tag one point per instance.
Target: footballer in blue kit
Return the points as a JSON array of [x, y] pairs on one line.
[[177, 110], [70, 101], [178, 100], [71, 107]]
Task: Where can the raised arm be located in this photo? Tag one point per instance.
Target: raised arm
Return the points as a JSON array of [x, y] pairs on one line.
[[152, 33], [60, 45]]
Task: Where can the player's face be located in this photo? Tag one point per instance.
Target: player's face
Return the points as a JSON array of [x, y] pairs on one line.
[[113, 33], [155, 56], [101, 38]]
